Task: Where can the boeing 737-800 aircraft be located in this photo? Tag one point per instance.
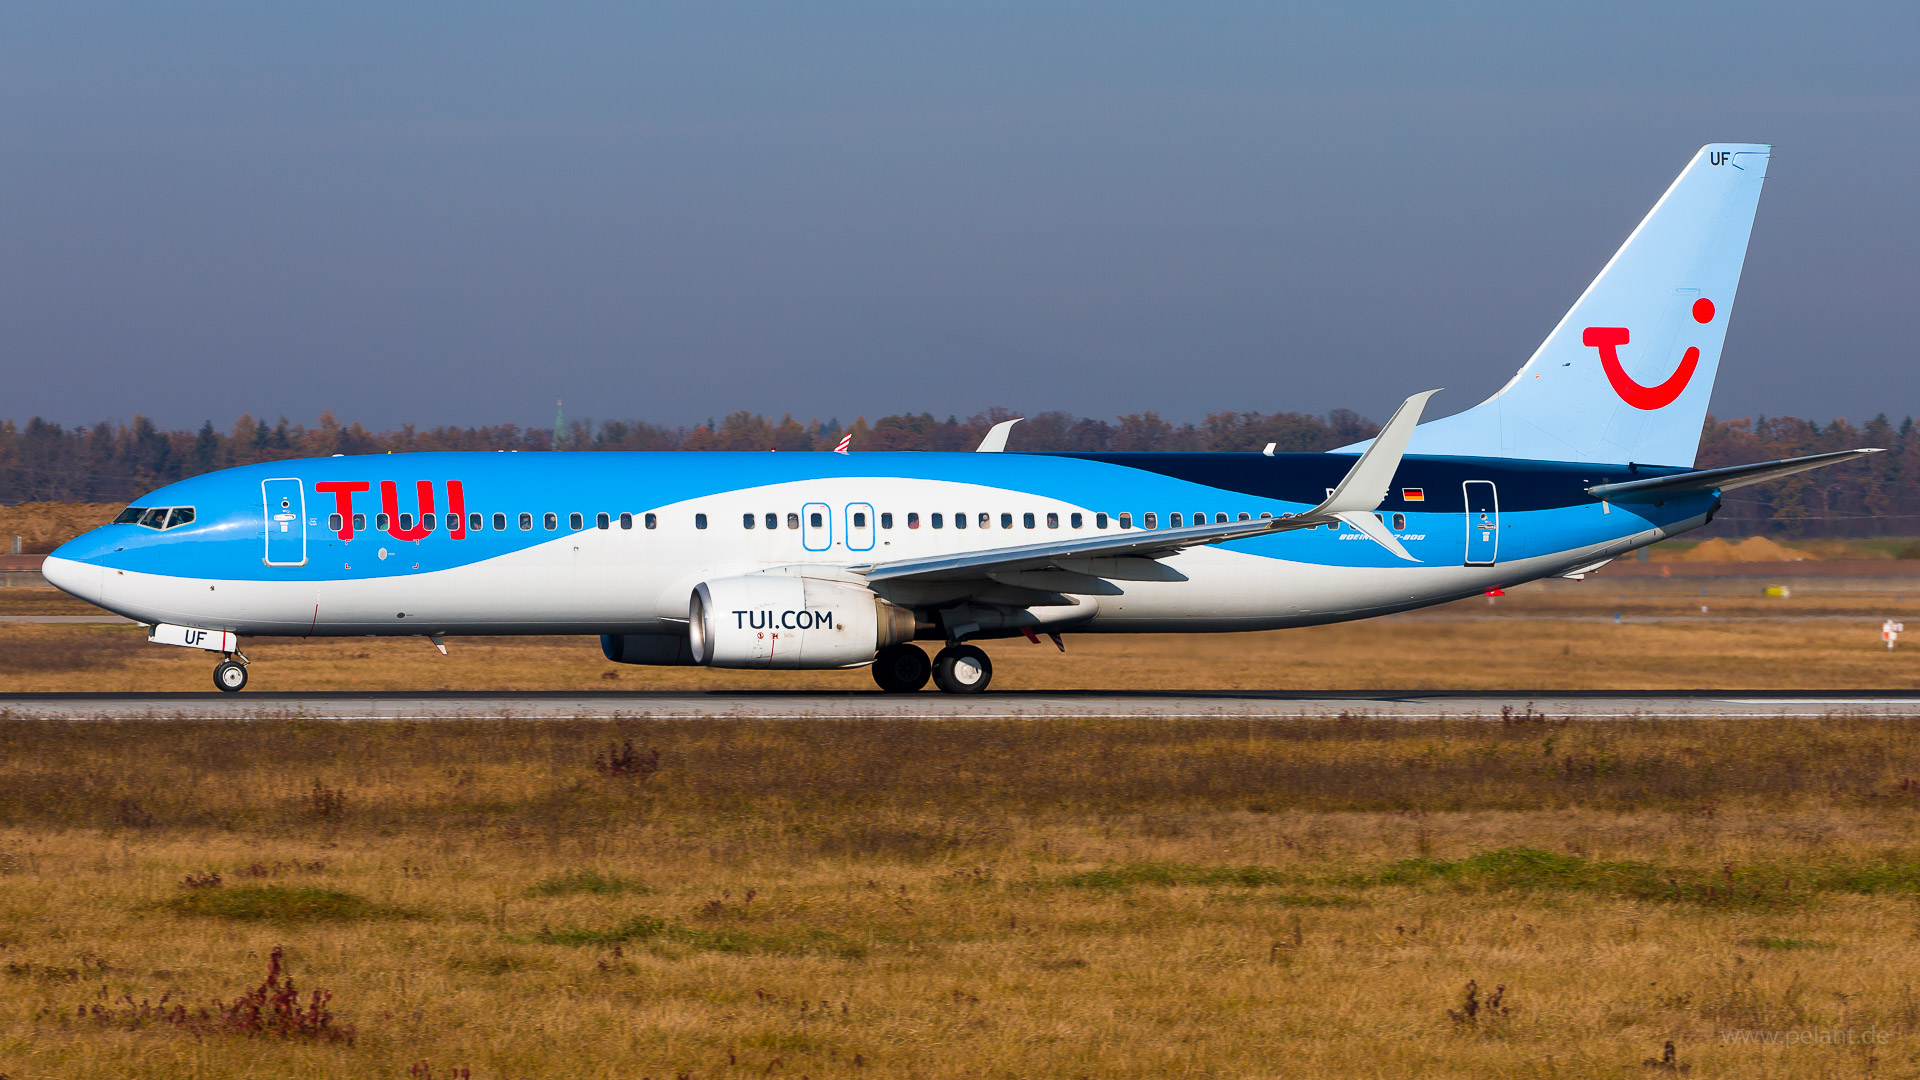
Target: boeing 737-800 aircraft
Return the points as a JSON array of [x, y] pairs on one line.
[[829, 560]]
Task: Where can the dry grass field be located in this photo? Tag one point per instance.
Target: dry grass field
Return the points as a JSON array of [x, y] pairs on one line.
[[960, 899]]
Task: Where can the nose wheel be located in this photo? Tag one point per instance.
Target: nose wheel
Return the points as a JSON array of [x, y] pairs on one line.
[[962, 669], [230, 675]]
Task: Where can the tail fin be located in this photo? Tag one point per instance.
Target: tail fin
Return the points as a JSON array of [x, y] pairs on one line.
[[1627, 374]]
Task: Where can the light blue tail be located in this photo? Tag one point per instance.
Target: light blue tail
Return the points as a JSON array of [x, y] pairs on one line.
[[1627, 374]]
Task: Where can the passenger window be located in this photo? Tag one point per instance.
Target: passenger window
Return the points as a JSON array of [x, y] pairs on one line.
[[499, 523], [653, 522], [793, 521], [959, 521], [1219, 519], [1027, 519], [1006, 521], [773, 521], [1244, 517], [986, 520], [526, 522], [574, 522], [1076, 521], [1264, 514], [1053, 520], [476, 522], [816, 519], [1099, 521], [602, 521], [938, 521], [859, 520], [1399, 522], [406, 522], [551, 521], [380, 522], [335, 522], [1173, 520], [1126, 521], [699, 521], [913, 520], [886, 520], [426, 522], [130, 516], [359, 523], [746, 521], [1150, 520], [626, 521]]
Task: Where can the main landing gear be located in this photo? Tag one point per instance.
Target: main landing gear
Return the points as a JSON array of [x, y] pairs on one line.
[[230, 674], [959, 669]]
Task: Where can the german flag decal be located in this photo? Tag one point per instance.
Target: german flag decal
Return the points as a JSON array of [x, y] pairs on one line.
[[1414, 494]]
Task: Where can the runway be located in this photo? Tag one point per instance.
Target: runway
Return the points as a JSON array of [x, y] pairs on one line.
[[1034, 705]]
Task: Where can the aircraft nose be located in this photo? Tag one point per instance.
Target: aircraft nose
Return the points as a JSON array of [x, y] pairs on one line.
[[65, 571]]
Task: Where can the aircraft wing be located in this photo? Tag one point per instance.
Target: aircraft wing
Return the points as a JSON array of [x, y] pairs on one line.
[[1733, 476], [1359, 493]]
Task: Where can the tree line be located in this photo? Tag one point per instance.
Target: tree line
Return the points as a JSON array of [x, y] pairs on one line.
[[116, 462]]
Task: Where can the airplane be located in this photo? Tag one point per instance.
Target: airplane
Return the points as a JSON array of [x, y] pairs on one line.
[[841, 560]]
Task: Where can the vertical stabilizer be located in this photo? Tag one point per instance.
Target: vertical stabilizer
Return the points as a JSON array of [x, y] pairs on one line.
[[1627, 374]]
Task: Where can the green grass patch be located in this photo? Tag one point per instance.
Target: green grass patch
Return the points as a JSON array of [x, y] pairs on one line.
[[279, 903], [645, 929], [586, 883], [1128, 875], [1757, 887]]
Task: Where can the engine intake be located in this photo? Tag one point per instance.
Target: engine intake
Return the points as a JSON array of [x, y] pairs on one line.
[[774, 621]]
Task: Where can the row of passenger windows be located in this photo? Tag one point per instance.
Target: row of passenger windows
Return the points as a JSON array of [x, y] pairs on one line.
[[478, 522], [156, 518]]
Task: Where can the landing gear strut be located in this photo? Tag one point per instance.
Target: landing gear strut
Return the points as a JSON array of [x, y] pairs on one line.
[[231, 675], [901, 669], [962, 669]]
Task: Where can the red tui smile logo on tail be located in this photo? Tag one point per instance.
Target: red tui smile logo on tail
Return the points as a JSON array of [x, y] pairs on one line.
[[1608, 340]]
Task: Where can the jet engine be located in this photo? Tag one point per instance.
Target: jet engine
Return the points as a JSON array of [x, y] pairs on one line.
[[774, 621]]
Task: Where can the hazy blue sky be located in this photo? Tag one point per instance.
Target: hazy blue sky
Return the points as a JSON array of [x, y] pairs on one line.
[[456, 213]]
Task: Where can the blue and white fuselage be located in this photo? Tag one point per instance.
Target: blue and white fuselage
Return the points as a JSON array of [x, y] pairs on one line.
[[614, 543], [819, 560]]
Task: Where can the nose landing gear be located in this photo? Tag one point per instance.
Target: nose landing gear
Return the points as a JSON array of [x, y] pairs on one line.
[[230, 675]]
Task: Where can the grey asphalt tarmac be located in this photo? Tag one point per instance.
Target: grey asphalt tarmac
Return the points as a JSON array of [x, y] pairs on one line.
[[783, 705]]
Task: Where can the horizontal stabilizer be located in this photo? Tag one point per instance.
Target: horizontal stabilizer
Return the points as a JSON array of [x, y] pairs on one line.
[[1733, 476]]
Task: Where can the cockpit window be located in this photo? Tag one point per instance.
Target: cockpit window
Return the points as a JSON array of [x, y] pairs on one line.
[[155, 517]]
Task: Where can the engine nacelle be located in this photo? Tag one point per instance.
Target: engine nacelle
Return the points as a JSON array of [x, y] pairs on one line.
[[772, 621]]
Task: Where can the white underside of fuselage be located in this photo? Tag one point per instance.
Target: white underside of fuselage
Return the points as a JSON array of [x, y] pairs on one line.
[[590, 583]]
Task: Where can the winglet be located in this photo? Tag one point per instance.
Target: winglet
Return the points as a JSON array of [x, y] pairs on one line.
[[996, 437], [1366, 484]]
